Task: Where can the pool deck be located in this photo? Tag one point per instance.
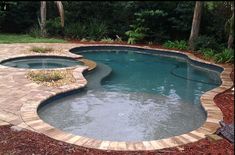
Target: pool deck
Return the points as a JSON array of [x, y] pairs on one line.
[[20, 97]]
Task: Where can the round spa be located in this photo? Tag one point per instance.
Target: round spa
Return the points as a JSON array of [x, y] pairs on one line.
[[134, 95], [41, 62]]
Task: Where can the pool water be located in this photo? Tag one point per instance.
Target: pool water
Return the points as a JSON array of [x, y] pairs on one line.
[[41, 62], [134, 97]]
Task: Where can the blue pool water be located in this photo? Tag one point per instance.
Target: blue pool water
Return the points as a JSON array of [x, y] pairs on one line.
[[132, 96]]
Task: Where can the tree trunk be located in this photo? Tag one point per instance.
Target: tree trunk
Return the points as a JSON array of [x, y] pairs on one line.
[[195, 23], [231, 27], [61, 12], [230, 41], [42, 22]]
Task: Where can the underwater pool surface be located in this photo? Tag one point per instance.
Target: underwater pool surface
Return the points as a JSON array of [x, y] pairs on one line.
[[41, 62], [134, 96]]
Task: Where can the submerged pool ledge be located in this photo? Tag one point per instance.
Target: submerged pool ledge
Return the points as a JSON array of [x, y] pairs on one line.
[[29, 114]]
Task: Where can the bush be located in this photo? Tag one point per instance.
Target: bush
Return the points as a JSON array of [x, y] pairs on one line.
[[41, 49], [93, 30], [96, 30], [75, 31], [35, 31], [107, 40], [227, 56], [203, 42], [53, 27], [135, 35], [208, 53], [182, 44]]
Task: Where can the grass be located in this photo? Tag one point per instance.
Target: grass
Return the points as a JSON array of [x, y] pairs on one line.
[[24, 38], [41, 49]]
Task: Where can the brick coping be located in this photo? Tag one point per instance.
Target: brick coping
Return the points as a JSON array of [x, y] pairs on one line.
[[31, 120]]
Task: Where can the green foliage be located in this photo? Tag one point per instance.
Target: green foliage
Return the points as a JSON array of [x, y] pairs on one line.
[[18, 16], [35, 31], [139, 30], [41, 49], [45, 76], [204, 41], [135, 35], [107, 40], [93, 30], [208, 53], [75, 30], [96, 30], [144, 21], [227, 56], [181, 18], [53, 27], [181, 45]]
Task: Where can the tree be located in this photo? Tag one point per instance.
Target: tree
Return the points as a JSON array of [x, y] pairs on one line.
[[42, 21], [195, 23], [229, 26]]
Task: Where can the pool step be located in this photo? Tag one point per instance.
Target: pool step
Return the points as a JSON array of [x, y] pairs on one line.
[[95, 77], [91, 64]]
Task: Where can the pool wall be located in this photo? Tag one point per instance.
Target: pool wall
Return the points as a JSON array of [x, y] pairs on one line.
[[214, 114]]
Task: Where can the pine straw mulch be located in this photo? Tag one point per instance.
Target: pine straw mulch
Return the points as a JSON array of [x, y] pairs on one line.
[[52, 78]]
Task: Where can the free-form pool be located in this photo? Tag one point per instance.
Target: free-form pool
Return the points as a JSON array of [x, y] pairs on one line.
[[144, 97], [41, 62]]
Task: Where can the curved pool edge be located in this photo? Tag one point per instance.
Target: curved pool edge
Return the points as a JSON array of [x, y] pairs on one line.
[[24, 56], [214, 115]]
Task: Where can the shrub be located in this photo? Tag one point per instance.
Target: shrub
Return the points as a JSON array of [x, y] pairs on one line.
[[35, 31], [227, 56], [135, 35], [41, 49], [53, 27], [45, 76], [182, 44], [208, 53], [107, 40], [96, 30], [203, 42], [75, 30]]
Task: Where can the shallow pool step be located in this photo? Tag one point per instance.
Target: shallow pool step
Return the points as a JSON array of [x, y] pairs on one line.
[[91, 64], [95, 77]]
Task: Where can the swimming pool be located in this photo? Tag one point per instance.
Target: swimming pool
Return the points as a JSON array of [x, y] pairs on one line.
[[134, 95], [40, 62]]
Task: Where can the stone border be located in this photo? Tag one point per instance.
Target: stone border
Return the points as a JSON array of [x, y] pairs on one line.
[[214, 115], [42, 55]]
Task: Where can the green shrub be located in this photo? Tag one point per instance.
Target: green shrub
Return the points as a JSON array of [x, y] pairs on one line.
[[41, 49], [53, 27], [107, 40], [227, 56], [182, 44], [75, 31], [203, 42], [35, 31], [96, 30], [208, 53], [135, 35]]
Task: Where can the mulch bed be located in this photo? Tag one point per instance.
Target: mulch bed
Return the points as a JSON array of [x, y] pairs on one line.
[[26, 142]]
